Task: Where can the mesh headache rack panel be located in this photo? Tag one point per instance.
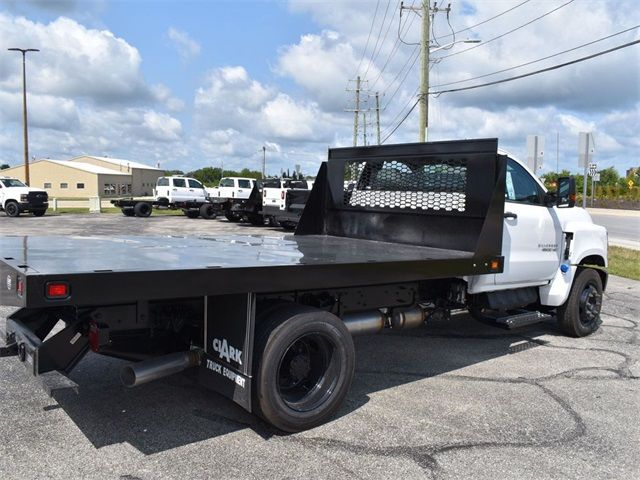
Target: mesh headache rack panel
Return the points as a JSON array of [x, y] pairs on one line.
[[406, 184]]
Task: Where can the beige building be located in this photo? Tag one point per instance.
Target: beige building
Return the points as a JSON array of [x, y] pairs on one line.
[[89, 176], [143, 177]]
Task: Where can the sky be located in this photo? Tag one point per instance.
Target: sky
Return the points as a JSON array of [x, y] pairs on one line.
[[190, 84]]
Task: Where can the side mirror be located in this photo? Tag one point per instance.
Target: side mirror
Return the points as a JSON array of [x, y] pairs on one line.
[[566, 195]]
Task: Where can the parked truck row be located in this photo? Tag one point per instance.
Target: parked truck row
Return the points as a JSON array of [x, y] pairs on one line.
[[271, 201], [390, 237]]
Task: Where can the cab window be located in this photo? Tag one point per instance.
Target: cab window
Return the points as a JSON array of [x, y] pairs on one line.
[[227, 182], [163, 182], [195, 184], [244, 183], [521, 187], [179, 182]]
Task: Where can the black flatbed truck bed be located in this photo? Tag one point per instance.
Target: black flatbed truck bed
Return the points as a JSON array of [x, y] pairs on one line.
[[267, 320], [130, 269]]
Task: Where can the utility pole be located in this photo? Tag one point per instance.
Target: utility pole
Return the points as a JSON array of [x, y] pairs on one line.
[[24, 108], [356, 109], [424, 73], [378, 116], [364, 128]]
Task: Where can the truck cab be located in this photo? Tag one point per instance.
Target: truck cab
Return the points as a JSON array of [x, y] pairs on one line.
[[17, 198], [233, 187], [179, 189], [545, 245]]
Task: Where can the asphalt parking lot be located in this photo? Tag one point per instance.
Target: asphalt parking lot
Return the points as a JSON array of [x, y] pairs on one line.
[[455, 399]]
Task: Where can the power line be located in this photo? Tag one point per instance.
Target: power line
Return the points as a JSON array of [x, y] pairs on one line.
[[416, 52], [555, 67], [486, 42], [484, 21], [386, 34], [402, 110], [384, 19], [368, 38], [538, 60], [396, 45], [401, 121]]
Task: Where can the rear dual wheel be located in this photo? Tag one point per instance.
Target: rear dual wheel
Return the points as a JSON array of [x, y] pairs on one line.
[[303, 365], [142, 209]]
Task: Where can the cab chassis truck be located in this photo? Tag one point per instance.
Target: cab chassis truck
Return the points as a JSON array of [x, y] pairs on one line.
[[268, 321], [208, 210]]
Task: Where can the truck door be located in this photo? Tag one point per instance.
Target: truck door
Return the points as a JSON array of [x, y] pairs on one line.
[[196, 190], [179, 192], [244, 188], [531, 239]]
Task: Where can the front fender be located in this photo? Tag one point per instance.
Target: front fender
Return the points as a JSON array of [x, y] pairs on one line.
[[589, 242]]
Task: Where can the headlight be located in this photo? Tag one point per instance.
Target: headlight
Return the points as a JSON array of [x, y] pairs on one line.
[[24, 197]]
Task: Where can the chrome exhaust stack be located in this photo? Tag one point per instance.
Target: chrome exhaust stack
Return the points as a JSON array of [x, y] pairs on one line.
[[159, 367]]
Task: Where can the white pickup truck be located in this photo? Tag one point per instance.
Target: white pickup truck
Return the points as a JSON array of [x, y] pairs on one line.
[[170, 190], [233, 187], [17, 198]]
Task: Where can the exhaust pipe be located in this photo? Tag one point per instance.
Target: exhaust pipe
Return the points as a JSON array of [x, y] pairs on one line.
[[364, 323], [403, 318], [159, 367]]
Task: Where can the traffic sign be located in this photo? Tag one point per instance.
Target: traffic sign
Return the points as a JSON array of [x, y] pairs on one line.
[[593, 169], [630, 183], [596, 177]]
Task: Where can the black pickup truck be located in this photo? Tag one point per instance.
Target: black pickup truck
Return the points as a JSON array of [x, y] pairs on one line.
[[268, 321]]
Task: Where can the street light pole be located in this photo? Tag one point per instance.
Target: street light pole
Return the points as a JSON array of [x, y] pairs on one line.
[[24, 108]]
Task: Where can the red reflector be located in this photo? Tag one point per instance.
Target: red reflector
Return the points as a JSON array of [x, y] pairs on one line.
[[20, 287], [57, 290], [282, 195]]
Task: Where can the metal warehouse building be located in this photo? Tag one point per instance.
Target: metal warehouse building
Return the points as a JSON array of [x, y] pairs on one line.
[[89, 176]]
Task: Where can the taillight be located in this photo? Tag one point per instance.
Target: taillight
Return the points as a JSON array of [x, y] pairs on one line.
[[20, 287], [282, 195], [57, 290]]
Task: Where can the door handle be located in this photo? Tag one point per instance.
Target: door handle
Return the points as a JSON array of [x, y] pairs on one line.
[[510, 215]]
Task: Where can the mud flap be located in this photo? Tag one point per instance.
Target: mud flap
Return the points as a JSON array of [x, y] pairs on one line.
[[228, 340]]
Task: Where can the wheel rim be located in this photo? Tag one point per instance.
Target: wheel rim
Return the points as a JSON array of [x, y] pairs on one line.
[[308, 372], [590, 303], [12, 209]]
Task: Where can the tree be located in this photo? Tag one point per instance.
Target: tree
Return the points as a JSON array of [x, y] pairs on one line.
[[609, 176], [170, 173], [4, 166]]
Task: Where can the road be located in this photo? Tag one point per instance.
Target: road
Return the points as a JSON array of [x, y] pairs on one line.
[[623, 226], [454, 400]]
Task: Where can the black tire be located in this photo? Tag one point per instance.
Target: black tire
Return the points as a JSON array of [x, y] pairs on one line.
[[256, 219], [142, 209], [11, 209], [192, 213], [303, 366], [233, 217], [288, 226], [128, 211], [580, 314], [38, 213], [208, 211]]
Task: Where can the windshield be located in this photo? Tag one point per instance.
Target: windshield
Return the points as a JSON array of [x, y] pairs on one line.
[[12, 182]]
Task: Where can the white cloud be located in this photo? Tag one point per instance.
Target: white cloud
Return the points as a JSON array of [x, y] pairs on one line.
[[186, 46], [322, 64]]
